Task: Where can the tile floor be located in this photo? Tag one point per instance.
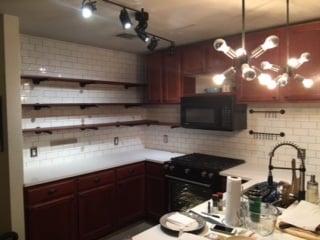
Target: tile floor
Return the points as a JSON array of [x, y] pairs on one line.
[[129, 231]]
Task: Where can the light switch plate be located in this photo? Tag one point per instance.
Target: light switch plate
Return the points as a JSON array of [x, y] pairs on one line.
[[33, 152]]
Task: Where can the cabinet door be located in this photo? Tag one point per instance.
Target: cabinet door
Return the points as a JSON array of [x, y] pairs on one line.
[[130, 199], [304, 38], [193, 59], [154, 77], [253, 91], [172, 78], [156, 197], [96, 211], [52, 220]]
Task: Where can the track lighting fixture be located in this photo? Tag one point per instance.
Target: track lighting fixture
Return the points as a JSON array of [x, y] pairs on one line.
[[153, 44], [88, 7], [125, 19], [142, 17]]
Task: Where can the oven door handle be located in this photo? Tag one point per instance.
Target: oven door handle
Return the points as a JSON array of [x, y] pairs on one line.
[[188, 181]]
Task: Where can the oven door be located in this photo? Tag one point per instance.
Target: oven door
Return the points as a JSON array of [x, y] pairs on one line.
[[185, 194]]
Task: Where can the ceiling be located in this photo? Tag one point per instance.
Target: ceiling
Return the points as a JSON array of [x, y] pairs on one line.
[[183, 21]]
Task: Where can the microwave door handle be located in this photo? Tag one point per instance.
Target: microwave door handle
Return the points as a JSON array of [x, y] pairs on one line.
[[188, 181]]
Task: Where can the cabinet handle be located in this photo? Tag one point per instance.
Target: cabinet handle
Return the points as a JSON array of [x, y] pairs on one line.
[[52, 191], [97, 179]]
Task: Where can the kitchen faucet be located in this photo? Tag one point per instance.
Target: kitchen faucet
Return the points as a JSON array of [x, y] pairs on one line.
[[301, 154]]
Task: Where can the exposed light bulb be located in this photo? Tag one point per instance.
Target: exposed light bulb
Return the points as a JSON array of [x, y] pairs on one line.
[[293, 63], [86, 12], [147, 39], [127, 25], [270, 42], [240, 52], [88, 7], [248, 73], [218, 79], [304, 57], [264, 79], [221, 46], [265, 65], [307, 83], [272, 85]]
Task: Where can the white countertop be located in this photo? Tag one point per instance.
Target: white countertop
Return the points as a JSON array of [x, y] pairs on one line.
[[253, 173], [52, 171]]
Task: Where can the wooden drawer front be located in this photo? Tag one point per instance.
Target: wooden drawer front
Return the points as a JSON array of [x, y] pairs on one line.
[[154, 169], [49, 192], [130, 171], [96, 180]]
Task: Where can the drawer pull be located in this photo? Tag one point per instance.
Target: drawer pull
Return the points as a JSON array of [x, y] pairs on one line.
[[97, 179], [52, 191]]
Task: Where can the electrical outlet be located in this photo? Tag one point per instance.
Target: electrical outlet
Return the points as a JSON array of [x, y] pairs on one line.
[[165, 138], [33, 152], [116, 141]]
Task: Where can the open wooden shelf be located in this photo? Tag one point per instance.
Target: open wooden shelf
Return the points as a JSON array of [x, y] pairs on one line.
[[49, 130], [169, 124], [82, 82], [39, 106]]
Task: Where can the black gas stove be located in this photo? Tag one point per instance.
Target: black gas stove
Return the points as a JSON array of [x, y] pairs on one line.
[[194, 177], [199, 167]]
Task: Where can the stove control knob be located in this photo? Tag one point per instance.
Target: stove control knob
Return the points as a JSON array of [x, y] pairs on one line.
[[210, 175], [187, 171], [171, 167], [204, 174]]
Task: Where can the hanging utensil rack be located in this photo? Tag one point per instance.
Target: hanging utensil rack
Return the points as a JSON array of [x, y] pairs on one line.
[[268, 113], [266, 136]]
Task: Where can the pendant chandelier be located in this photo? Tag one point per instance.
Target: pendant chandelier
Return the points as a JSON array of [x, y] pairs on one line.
[[292, 64], [249, 72], [241, 57]]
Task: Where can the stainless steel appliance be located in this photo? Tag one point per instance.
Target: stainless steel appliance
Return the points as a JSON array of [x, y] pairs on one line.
[[194, 177], [213, 112]]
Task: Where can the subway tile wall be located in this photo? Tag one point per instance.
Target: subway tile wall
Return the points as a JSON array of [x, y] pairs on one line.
[[300, 123], [47, 57]]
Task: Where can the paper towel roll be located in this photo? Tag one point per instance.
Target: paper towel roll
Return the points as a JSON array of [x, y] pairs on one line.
[[233, 201]]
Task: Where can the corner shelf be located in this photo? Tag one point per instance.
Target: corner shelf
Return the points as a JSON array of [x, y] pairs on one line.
[[49, 130], [39, 106], [82, 82]]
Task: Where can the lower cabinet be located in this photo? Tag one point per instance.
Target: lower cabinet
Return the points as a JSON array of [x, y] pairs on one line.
[[96, 205], [91, 206], [130, 193], [156, 191], [51, 212]]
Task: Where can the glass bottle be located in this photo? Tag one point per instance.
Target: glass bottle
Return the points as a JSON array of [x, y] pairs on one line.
[[312, 190]]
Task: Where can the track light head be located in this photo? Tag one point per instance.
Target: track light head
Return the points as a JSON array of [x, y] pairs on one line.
[[142, 18], [142, 35], [125, 19], [153, 44], [87, 8]]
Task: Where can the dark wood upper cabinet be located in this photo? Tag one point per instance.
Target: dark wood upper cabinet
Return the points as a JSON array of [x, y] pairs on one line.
[[154, 77], [193, 59], [253, 91], [171, 78], [304, 38]]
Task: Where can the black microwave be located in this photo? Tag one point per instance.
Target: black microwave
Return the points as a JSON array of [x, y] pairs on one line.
[[213, 112]]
